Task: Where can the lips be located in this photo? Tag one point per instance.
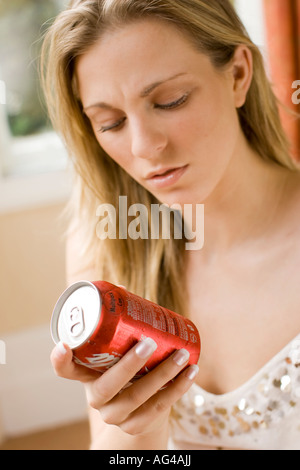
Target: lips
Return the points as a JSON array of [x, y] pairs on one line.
[[166, 177], [162, 172]]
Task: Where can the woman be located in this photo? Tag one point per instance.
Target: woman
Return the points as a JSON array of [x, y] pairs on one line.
[[168, 101]]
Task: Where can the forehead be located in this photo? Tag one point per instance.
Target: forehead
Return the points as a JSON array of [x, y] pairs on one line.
[[129, 57]]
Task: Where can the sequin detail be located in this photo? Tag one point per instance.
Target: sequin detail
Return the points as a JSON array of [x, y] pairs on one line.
[[265, 404]]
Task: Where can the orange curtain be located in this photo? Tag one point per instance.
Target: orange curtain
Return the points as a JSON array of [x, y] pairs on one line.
[[283, 37]]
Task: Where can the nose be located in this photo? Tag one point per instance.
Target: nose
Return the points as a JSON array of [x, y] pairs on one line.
[[148, 140]]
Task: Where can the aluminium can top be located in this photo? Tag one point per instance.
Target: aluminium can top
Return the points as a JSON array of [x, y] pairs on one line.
[[76, 314]]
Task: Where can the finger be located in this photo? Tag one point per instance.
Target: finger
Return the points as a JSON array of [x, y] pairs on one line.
[[64, 366], [158, 406], [120, 407], [117, 377]]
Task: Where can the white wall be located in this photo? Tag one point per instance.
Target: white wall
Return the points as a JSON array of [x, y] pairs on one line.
[[2, 432], [251, 13], [32, 398], [32, 276]]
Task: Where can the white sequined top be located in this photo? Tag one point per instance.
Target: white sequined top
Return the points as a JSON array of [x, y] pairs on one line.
[[262, 414]]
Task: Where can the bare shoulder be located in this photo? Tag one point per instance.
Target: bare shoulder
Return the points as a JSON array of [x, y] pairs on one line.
[[292, 207], [295, 182], [78, 264], [288, 261]]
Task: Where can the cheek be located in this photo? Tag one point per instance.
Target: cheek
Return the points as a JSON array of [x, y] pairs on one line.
[[116, 149], [213, 131]]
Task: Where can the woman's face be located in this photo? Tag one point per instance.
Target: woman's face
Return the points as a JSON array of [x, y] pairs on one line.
[[161, 110]]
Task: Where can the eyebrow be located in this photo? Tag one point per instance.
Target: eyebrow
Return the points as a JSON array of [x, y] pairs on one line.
[[145, 92]]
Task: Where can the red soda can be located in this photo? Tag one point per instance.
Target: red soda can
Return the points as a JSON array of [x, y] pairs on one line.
[[100, 322]]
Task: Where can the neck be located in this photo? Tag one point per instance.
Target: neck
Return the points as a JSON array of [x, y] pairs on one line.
[[247, 204]]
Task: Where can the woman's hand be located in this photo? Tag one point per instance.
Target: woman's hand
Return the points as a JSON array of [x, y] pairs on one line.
[[143, 406]]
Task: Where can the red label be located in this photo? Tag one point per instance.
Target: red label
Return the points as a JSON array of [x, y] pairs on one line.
[[113, 302]]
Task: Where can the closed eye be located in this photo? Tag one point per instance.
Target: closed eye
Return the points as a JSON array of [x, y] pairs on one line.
[[168, 106], [116, 125], [173, 104]]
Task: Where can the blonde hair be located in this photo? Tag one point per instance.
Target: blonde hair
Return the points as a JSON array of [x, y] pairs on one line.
[[151, 268]]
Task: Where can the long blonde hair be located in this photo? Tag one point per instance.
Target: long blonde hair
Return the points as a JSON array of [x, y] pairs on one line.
[[151, 268]]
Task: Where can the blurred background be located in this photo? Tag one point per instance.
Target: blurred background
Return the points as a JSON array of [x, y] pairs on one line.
[[38, 410]]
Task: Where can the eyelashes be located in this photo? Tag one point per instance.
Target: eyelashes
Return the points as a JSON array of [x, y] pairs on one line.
[[174, 104], [116, 125], [166, 107]]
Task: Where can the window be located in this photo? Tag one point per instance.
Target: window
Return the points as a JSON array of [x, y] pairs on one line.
[[33, 162], [28, 143]]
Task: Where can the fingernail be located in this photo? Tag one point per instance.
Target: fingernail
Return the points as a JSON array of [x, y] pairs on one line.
[[145, 348], [181, 357], [192, 372], [61, 350]]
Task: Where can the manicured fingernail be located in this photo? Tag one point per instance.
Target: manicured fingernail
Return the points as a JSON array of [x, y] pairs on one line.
[[145, 348], [61, 350], [192, 372], [181, 357]]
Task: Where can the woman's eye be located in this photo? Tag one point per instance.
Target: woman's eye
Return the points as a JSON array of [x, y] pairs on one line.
[[116, 125], [173, 104], [168, 106]]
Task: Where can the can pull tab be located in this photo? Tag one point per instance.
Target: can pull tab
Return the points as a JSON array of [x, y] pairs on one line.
[[76, 322]]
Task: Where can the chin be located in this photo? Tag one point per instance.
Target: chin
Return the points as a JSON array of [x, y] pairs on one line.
[[180, 198]]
